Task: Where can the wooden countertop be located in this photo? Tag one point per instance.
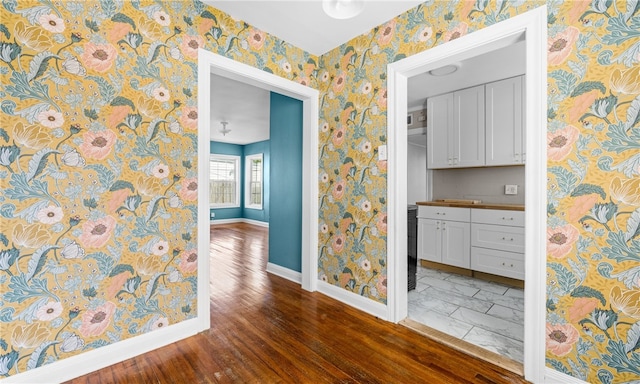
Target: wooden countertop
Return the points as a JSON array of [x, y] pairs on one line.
[[506, 207]]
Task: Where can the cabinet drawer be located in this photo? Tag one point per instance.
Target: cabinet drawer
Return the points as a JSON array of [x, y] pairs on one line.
[[498, 216], [444, 213], [501, 263], [497, 237]]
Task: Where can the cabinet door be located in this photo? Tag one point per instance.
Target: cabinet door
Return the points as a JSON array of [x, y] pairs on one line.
[[456, 244], [429, 240], [439, 123], [505, 122], [468, 127]]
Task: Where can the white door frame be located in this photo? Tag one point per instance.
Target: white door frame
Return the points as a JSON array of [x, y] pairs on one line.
[[208, 63], [533, 26]]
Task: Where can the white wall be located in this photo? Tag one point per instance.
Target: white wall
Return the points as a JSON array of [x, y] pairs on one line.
[[416, 173]]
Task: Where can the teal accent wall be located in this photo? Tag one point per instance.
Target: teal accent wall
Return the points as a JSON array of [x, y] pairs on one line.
[[263, 147], [229, 149], [285, 219]]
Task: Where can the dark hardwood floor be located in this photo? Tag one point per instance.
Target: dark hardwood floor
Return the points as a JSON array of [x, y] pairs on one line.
[[266, 329]]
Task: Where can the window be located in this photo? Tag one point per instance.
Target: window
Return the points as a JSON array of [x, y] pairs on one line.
[[253, 187], [224, 181]]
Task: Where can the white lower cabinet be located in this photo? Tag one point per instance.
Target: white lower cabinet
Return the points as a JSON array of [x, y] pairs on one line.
[[444, 235], [497, 242], [485, 240]]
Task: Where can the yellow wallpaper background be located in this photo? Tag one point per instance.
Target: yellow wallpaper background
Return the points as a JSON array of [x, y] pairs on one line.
[[99, 166], [593, 288], [97, 147]]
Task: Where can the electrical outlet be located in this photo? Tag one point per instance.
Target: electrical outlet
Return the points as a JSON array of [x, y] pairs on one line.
[[382, 153], [510, 189]]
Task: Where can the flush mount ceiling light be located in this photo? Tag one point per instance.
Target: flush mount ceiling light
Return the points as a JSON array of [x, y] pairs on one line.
[[342, 9], [224, 130], [446, 70]]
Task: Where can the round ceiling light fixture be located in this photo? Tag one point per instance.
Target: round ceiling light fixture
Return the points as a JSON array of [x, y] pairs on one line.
[[342, 9], [446, 70]]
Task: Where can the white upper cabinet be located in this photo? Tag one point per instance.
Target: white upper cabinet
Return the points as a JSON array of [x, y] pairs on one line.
[[505, 122], [468, 127], [455, 129], [439, 127], [478, 126]]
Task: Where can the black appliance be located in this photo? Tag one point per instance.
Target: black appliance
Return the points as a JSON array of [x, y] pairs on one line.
[[412, 246]]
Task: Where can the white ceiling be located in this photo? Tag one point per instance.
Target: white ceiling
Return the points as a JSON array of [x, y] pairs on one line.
[[244, 107], [304, 24]]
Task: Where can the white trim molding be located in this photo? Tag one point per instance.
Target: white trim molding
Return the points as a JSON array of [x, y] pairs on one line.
[[556, 377], [354, 300], [285, 273], [208, 63], [532, 27], [93, 360], [239, 220]]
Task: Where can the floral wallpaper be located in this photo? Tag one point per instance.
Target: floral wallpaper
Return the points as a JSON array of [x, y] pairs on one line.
[[98, 166], [593, 287]]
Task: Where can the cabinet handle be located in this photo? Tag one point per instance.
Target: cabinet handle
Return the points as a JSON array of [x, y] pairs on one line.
[[507, 218], [504, 238]]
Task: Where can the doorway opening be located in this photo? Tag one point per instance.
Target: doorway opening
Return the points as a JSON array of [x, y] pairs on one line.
[[532, 27], [210, 63]]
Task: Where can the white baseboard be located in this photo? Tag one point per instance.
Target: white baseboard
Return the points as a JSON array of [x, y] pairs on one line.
[[283, 272], [240, 220], [79, 365], [551, 376], [362, 303]]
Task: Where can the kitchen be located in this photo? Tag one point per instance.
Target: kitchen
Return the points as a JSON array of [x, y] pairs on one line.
[[466, 193]]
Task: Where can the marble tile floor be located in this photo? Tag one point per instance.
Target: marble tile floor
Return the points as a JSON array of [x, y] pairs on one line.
[[487, 314]]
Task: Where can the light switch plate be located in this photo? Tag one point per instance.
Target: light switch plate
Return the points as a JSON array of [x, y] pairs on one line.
[[382, 152], [510, 189]]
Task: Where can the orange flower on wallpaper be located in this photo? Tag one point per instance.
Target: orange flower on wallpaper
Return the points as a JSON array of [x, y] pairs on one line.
[[97, 145], [147, 265], [116, 283], [560, 143], [34, 38], [190, 45], [338, 189], [582, 205], [149, 107], [339, 82], [345, 61], [256, 38], [338, 242], [382, 98], [99, 57], [381, 223], [626, 81], [29, 236], [97, 233], [189, 117], [96, 321], [459, 31], [625, 191], [381, 285], [188, 261], [117, 32], [559, 46], [117, 198], [560, 240], [627, 301], [581, 307], [560, 338], [581, 104], [29, 336], [117, 115], [31, 136], [148, 186], [386, 32], [149, 28], [189, 190], [338, 136]]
